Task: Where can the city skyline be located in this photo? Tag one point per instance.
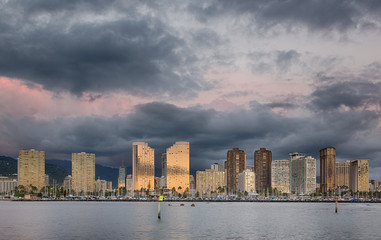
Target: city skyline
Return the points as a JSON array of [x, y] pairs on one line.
[[236, 177], [160, 165], [95, 77]]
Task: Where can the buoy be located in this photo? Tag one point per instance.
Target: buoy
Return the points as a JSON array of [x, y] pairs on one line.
[[193, 205], [182, 204], [160, 199]]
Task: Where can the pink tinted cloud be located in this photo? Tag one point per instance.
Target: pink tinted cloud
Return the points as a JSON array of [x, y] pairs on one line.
[[240, 88], [20, 99]]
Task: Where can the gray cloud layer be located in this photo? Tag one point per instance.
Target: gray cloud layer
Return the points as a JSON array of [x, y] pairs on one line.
[[323, 16], [103, 46], [352, 131], [99, 46], [55, 45]]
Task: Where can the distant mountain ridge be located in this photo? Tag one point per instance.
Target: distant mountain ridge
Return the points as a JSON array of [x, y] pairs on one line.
[[102, 172]]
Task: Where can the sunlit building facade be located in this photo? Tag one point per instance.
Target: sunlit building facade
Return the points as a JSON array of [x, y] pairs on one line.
[[359, 176], [327, 169], [83, 172], [178, 166], [209, 180], [280, 175], [143, 166], [31, 168]]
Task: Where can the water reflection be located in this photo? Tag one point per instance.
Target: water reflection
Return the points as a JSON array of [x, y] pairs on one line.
[[138, 220]]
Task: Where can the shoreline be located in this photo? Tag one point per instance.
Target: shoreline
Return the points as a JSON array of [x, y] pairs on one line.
[[169, 201]]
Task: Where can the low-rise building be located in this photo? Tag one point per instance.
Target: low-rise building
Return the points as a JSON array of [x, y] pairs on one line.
[[102, 186], [7, 185], [373, 185], [246, 181], [129, 185], [67, 184], [209, 180]]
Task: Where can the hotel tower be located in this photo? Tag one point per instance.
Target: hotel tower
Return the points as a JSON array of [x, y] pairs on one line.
[[31, 168], [177, 169], [327, 169], [143, 166], [235, 164], [83, 172], [262, 168]]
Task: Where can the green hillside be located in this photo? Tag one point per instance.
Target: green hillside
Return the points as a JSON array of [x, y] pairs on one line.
[[8, 166]]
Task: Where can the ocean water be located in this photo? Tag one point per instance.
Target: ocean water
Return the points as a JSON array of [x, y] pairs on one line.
[[138, 220]]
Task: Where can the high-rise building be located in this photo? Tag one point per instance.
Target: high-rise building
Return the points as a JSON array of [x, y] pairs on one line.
[[359, 176], [217, 167], [246, 181], [280, 175], [342, 174], [209, 180], [83, 172], [262, 168], [302, 174], [31, 168], [235, 164], [143, 166], [178, 166], [122, 177], [327, 169]]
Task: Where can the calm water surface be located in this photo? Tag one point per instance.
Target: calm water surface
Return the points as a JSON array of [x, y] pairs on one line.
[[138, 220]]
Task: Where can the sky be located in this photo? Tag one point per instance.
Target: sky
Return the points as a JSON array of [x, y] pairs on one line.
[[96, 76]]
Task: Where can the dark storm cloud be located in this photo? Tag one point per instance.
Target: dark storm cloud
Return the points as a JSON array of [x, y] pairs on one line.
[[51, 45], [315, 15], [351, 94], [210, 133]]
